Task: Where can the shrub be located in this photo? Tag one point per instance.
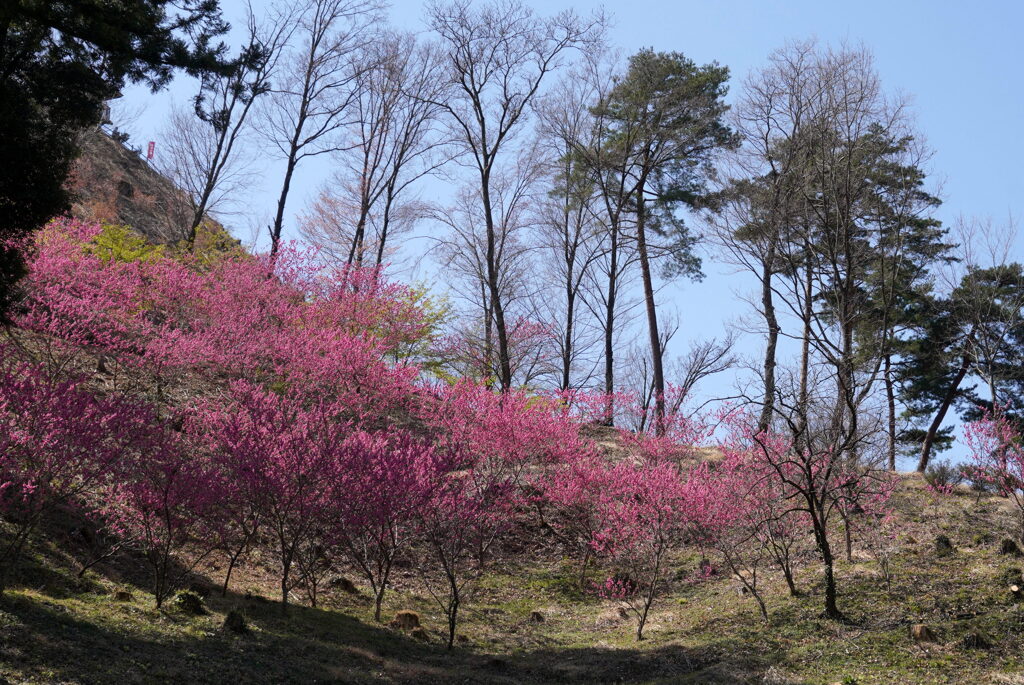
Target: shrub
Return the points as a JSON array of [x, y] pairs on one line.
[[942, 477]]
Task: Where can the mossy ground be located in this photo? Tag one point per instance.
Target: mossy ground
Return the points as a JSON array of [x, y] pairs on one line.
[[55, 627]]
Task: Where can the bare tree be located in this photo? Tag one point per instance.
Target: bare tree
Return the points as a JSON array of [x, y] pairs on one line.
[[570, 232], [498, 55], [204, 157], [463, 253], [606, 287], [307, 108], [390, 144], [762, 194]]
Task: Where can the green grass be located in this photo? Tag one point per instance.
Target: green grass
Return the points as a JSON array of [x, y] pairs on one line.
[[57, 628]]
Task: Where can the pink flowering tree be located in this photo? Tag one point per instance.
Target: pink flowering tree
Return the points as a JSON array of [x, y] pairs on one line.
[[815, 481], [761, 503], [571, 504], [649, 512], [287, 321], [60, 446], [286, 460], [389, 479], [997, 457], [466, 514], [164, 502], [733, 520]]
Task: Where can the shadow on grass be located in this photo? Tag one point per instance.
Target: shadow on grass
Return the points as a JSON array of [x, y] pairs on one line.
[[43, 640]]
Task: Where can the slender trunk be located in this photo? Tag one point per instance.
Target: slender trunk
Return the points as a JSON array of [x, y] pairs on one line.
[[652, 317], [275, 231], [355, 253], [582, 579], [286, 567], [750, 585], [772, 324], [805, 350], [890, 398], [488, 356], [828, 563], [761, 606], [453, 615], [787, 573], [940, 415], [385, 224], [609, 327], [378, 601], [848, 532], [504, 363], [232, 560], [567, 343]]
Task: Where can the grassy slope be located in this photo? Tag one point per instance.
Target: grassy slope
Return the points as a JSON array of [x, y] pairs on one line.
[[57, 628]]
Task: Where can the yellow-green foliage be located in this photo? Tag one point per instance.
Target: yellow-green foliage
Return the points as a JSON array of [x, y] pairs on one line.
[[121, 244], [436, 311], [212, 244]]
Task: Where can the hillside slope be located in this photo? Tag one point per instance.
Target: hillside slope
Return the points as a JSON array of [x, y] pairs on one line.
[[114, 184], [529, 622]]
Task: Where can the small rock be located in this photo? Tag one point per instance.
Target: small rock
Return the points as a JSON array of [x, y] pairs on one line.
[[922, 633], [1009, 547], [190, 603], [345, 585], [123, 596], [420, 634], [985, 538], [976, 641], [943, 546], [536, 617], [406, 620], [234, 622]]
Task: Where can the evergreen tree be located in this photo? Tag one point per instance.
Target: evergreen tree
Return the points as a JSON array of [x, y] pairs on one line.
[[665, 126], [59, 61]]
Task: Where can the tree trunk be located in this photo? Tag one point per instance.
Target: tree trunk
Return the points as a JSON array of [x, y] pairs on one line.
[[890, 398], [772, 324], [940, 415], [787, 573], [285, 572], [504, 363], [609, 327], [652, 317], [828, 562], [278, 227], [453, 615], [805, 351], [567, 343], [232, 560]]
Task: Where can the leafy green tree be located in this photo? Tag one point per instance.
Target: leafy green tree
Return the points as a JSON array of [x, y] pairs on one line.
[[59, 61], [977, 332], [665, 125], [907, 243]]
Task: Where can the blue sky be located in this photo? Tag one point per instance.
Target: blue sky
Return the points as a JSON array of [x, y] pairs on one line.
[[958, 63]]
